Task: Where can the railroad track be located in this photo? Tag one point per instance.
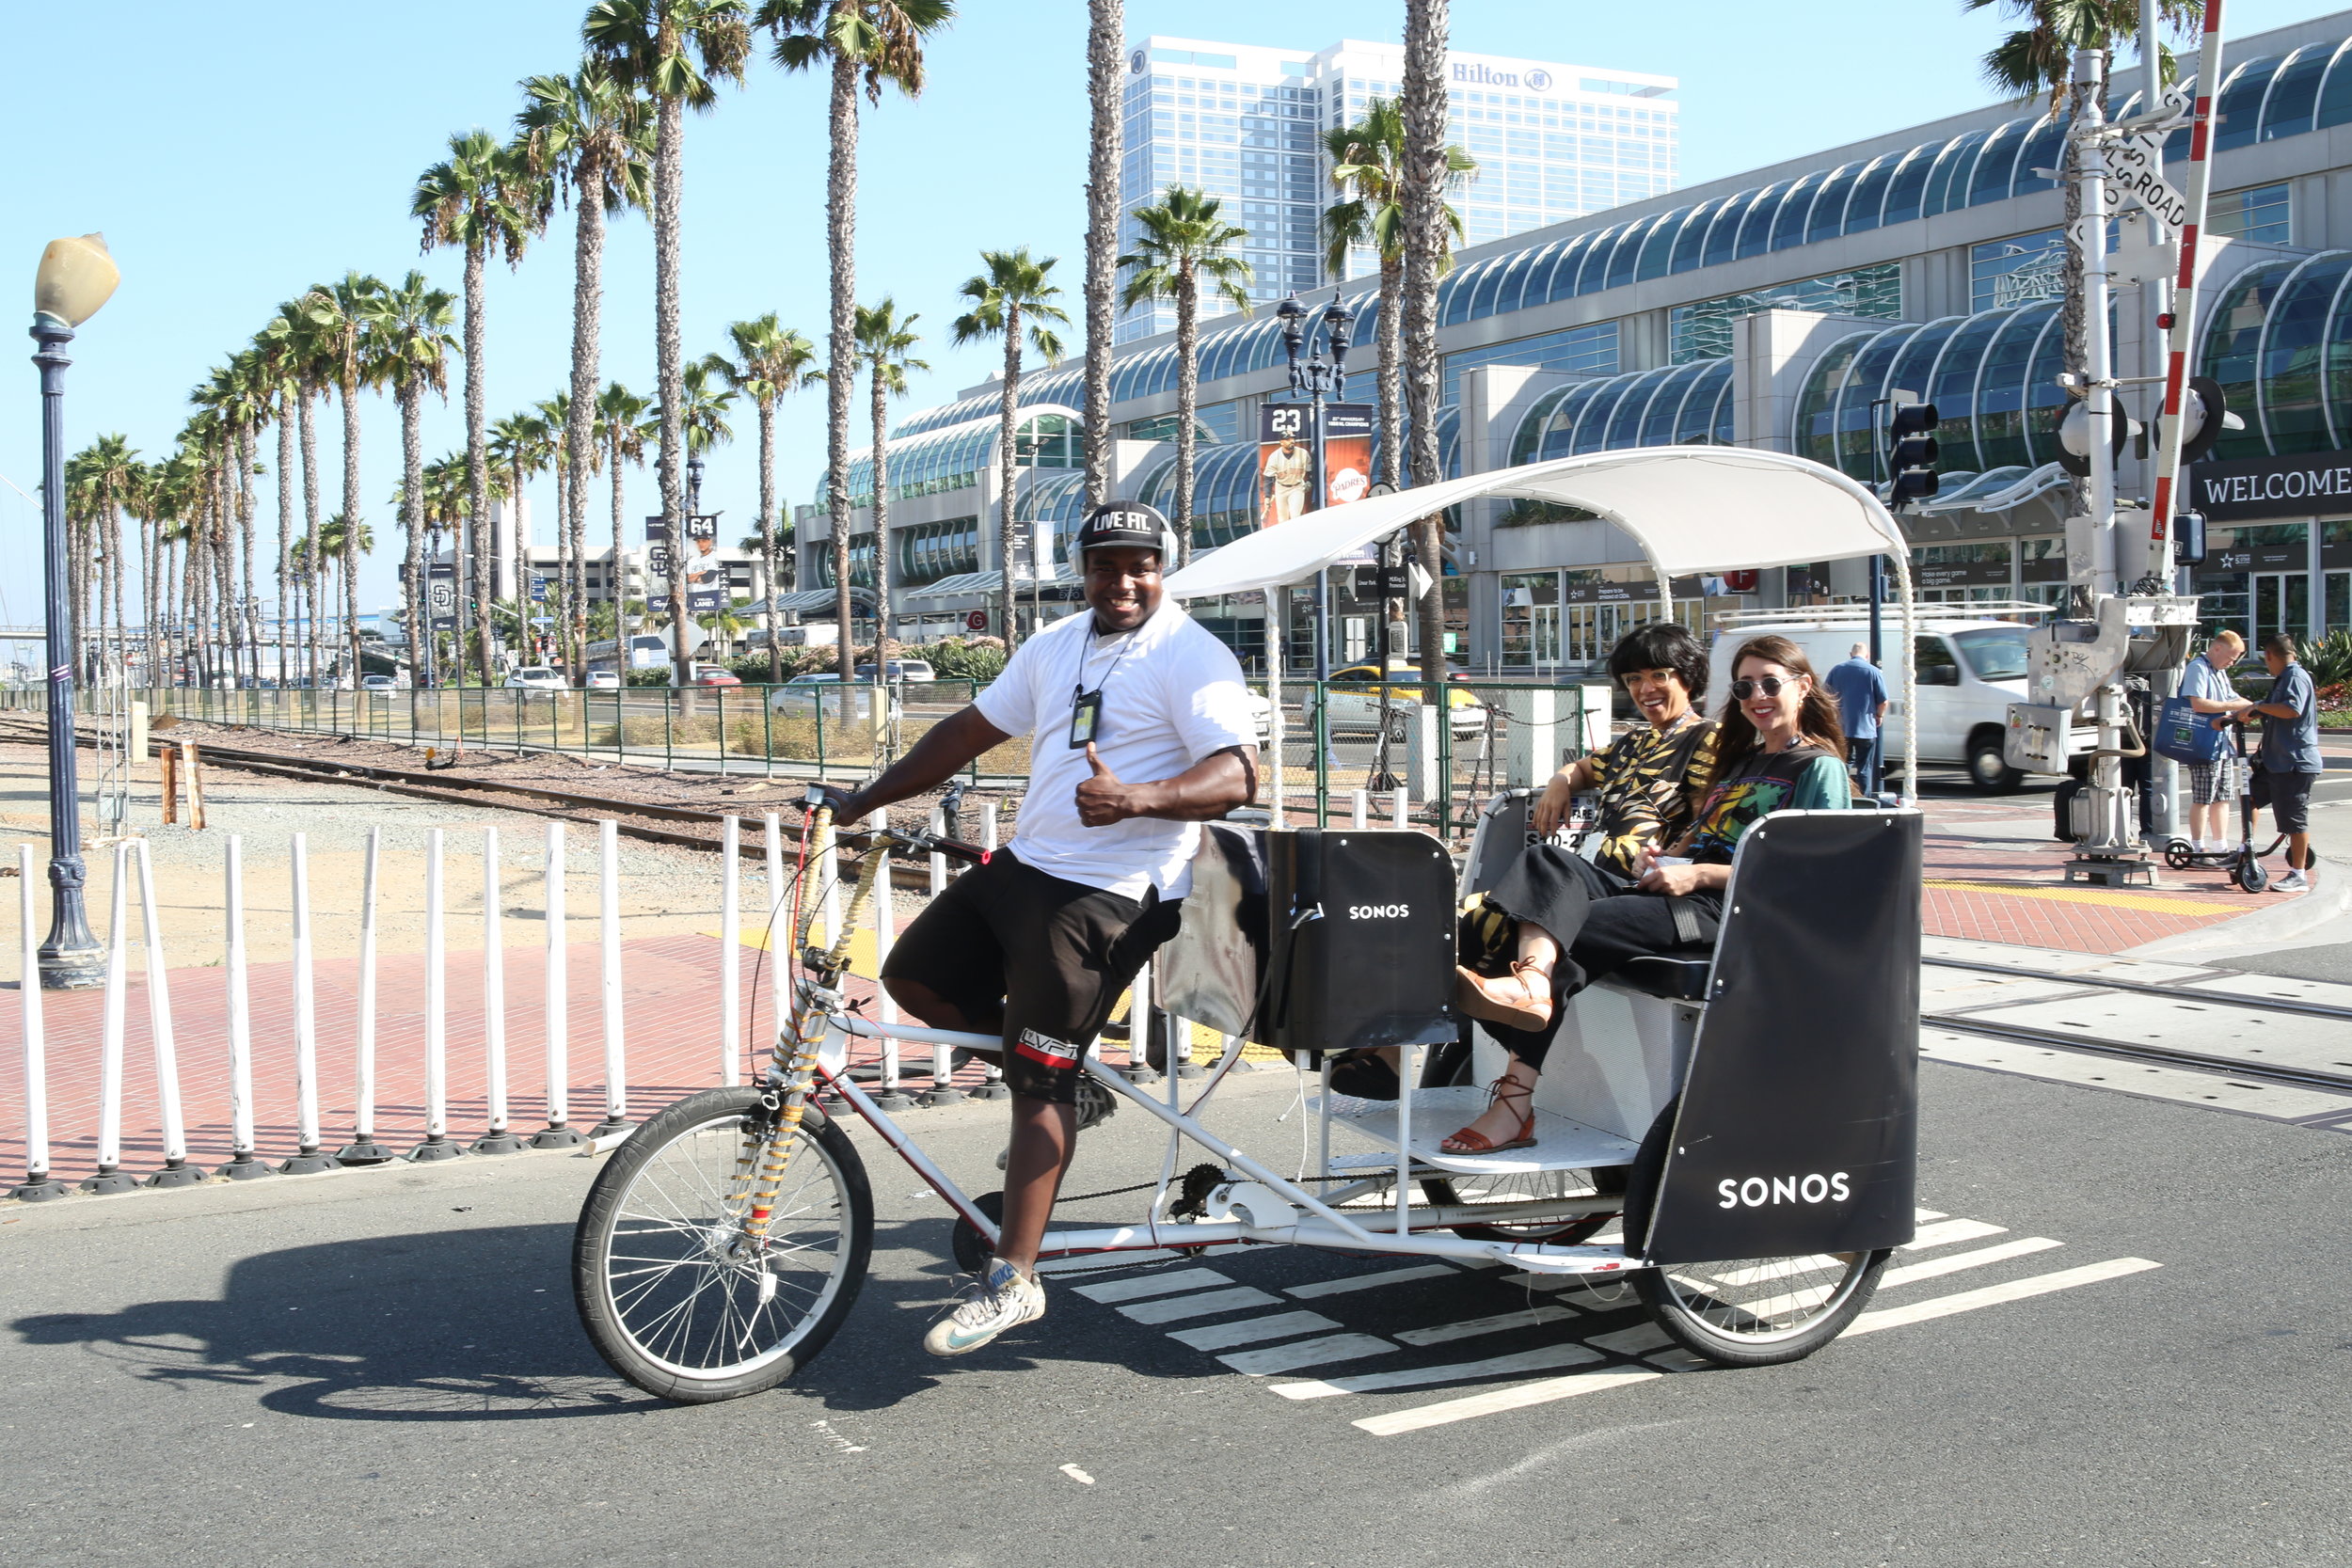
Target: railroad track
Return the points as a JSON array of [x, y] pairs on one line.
[[2155, 1054], [637, 819]]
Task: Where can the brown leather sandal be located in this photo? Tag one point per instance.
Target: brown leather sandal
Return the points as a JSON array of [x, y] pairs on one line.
[[1521, 999], [1469, 1142]]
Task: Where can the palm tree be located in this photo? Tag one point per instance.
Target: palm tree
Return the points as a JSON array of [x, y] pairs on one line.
[[341, 546], [479, 197], [1367, 170], [884, 341], [621, 433], [100, 479], [340, 316], [769, 360], [571, 590], [676, 52], [1185, 248], [595, 135], [310, 369], [882, 42], [1011, 293], [521, 447], [1106, 29], [701, 418], [279, 382], [1421, 188], [413, 319]]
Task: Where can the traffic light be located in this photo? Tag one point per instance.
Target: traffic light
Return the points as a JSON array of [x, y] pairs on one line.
[[1911, 452]]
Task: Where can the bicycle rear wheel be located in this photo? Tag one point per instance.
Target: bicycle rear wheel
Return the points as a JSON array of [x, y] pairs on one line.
[[673, 1294]]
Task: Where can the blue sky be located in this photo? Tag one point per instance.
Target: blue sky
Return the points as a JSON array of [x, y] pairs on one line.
[[233, 157]]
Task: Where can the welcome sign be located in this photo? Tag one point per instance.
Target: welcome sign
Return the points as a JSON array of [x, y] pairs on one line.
[[2306, 485]]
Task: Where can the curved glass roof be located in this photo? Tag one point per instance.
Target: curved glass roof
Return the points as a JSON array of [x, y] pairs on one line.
[[950, 457], [1676, 405]]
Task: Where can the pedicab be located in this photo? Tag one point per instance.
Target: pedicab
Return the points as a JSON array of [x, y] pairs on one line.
[[1734, 1135]]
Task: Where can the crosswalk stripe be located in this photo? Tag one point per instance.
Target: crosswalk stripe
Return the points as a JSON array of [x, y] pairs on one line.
[[1923, 1215], [1306, 1352], [1638, 1340], [1152, 1285], [1460, 1371], [1993, 1295], [1470, 1328], [1250, 1331], [1954, 1262], [1368, 1282], [1497, 1399], [1167, 1310], [1950, 1231]]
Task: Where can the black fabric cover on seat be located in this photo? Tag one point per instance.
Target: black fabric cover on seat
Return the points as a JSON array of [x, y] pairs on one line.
[[1675, 979]]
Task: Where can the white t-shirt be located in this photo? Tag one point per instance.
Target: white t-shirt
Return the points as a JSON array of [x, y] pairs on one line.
[[1172, 694]]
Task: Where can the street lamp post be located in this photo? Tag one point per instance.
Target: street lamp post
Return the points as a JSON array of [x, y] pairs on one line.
[[77, 276], [1319, 379]]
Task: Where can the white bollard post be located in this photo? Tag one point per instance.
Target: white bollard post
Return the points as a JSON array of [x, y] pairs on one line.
[[307, 1157], [110, 1177], [242, 1165], [556, 1135], [892, 1098], [731, 950], [1362, 809], [437, 1145], [777, 945], [1543, 755], [177, 1172], [1402, 799], [938, 860], [609, 939], [363, 1150], [497, 1139], [38, 1186], [992, 1083]]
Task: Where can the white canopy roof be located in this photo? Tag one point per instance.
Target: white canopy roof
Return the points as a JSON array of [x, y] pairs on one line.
[[1692, 509]]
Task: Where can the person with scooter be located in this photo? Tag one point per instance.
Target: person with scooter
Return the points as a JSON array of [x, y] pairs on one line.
[[2289, 764]]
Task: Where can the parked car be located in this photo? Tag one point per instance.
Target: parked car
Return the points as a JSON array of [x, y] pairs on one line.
[[804, 694], [602, 680], [536, 678], [1355, 708], [379, 683], [713, 675], [902, 670]]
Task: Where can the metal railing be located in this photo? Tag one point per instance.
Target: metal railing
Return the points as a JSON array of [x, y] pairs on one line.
[[1331, 739]]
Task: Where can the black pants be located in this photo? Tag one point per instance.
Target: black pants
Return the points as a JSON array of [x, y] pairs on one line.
[[1600, 921]]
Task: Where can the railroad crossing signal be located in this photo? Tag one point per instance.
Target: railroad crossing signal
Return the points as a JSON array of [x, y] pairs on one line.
[[1912, 451]]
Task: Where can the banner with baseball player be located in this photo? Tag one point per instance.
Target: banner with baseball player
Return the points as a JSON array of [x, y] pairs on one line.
[[1286, 458]]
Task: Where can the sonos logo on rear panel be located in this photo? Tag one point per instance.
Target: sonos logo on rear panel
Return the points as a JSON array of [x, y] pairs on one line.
[[1379, 911], [1758, 1192]]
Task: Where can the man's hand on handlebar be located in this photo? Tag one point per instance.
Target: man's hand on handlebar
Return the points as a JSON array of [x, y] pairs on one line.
[[841, 803]]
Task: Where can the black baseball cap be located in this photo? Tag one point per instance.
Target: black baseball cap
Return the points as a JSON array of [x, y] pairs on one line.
[[1124, 523]]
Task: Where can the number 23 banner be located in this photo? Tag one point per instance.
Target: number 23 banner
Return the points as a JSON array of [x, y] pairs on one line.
[[1286, 458]]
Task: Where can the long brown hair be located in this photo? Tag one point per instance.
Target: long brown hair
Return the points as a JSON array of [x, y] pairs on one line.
[[1736, 737]]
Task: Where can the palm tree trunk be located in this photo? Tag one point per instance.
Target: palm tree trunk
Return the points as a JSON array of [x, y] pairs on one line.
[[1106, 41], [478, 469], [616, 578], [248, 621], [1391, 359], [114, 559], [669, 361], [76, 587], [1188, 401], [351, 527], [578, 430], [1007, 414], [881, 541], [1423, 202], [148, 610], [841, 344], [307, 433], [418, 597], [768, 529], [285, 520]]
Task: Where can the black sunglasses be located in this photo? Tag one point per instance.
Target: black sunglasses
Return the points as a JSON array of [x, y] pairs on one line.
[[1742, 690]]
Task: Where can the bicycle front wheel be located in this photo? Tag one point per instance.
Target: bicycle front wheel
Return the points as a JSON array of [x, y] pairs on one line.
[[673, 1293]]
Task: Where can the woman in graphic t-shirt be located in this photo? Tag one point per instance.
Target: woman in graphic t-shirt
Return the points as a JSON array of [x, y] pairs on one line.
[[1778, 746]]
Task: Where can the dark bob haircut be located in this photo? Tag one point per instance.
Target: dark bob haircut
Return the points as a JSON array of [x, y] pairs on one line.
[[1661, 645]]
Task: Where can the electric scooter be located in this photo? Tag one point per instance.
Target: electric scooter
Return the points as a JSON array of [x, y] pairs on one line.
[[2242, 860]]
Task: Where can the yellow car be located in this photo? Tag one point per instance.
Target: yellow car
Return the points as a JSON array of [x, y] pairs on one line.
[[1357, 708]]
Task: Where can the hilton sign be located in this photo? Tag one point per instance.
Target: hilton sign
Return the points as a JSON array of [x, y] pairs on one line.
[[1470, 73], [2309, 485]]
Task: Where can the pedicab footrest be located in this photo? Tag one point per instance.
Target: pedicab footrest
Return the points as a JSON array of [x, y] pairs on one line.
[[1561, 1143]]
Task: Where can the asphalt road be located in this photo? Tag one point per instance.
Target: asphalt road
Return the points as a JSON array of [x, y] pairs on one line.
[[383, 1367]]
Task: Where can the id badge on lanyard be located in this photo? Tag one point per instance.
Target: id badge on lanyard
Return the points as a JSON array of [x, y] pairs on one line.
[[1086, 712]]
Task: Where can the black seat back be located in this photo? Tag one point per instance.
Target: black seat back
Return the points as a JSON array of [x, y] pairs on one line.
[[1798, 1126]]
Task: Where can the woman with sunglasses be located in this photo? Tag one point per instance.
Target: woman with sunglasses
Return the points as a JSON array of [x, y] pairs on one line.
[[1778, 746]]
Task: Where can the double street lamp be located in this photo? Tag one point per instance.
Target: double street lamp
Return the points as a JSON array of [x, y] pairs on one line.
[[1319, 379], [77, 276]]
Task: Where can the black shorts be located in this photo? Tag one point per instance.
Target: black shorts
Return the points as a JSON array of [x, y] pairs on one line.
[[2288, 797], [1051, 956]]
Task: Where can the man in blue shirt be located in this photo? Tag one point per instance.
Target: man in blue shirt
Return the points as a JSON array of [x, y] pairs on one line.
[[2289, 763], [1861, 693]]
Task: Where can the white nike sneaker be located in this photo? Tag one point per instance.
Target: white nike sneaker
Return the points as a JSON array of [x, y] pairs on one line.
[[1003, 1298], [2294, 881]]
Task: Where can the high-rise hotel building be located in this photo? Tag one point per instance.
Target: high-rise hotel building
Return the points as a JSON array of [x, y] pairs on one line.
[[1552, 142]]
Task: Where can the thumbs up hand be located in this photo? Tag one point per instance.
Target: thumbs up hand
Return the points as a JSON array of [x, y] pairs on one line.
[[1102, 799]]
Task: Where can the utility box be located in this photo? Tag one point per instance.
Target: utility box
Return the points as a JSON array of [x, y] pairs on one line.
[[2040, 739]]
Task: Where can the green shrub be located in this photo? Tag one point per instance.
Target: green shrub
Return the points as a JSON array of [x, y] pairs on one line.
[[965, 659], [2329, 659]]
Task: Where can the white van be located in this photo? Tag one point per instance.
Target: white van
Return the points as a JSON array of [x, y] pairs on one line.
[[1971, 667]]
